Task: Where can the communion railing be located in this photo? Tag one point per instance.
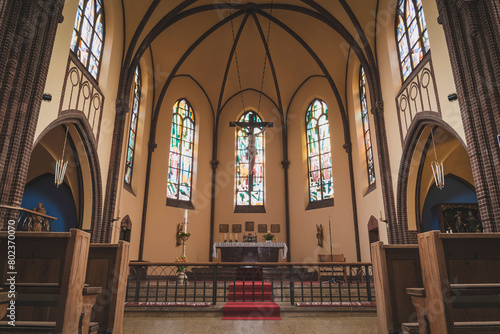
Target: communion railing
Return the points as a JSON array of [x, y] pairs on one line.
[[28, 220], [329, 283]]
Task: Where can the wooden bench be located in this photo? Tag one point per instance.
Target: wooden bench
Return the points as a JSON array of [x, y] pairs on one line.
[[108, 267], [50, 277], [395, 268], [461, 276], [4, 303]]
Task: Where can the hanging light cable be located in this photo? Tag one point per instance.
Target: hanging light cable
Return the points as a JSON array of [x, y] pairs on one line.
[[265, 56], [236, 57], [437, 167], [61, 164]]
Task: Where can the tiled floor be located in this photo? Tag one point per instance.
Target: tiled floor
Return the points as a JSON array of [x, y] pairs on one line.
[[290, 323]]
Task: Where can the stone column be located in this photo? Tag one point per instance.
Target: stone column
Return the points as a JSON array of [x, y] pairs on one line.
[[396, 232], [472, 28], [103, 231], [27, 34]]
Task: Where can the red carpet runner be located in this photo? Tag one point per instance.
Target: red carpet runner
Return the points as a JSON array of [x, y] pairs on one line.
[[258, 304]]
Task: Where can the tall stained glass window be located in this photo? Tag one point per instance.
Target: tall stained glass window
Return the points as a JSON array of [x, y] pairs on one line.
[[250, 163], [412, 35], [180, 167], [129, 165], [319, 156], [366, 127], [88, 35]]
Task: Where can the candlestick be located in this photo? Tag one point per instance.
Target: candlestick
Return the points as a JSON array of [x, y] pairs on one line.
[[225, 236], [185, 215], [236, 237]]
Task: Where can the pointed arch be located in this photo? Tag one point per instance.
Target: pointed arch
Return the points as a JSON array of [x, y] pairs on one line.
[[88, 35], [181, 156], [319, 156], [100, 230], [370, 165], [249, 183], [134, 120], [412, 37]]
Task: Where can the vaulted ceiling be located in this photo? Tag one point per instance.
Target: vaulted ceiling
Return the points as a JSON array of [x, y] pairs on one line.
[[197, 38]]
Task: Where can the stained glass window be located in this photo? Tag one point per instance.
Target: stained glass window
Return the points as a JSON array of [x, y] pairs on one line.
[[250, 162], [88, 35], [366, 127], [129, 164], [412, 35], [180, 167], [319, 156]]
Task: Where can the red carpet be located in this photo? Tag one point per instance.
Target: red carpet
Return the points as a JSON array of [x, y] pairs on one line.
[[251, 311], [262, 309], [252, 291]]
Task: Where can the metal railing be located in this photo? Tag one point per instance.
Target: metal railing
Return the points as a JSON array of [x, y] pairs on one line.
[[215, 282], [418, 93], [29, 220]]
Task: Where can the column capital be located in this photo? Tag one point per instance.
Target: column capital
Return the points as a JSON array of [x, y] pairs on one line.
[[285, 164], [121, 106], [214, 164], [377, 107], [152, 147]]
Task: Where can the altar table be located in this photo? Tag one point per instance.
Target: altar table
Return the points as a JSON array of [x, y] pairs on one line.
[[250, 251]]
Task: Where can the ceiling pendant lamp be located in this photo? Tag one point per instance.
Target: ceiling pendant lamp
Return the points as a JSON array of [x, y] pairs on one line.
[[437, 167], [61, 164]]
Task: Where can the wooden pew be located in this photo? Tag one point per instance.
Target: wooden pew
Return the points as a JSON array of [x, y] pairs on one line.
[[108, 267], [50, 271], [4, 303], [395, 268], [461, 270]]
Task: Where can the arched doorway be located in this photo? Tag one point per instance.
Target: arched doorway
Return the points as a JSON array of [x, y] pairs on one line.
[[83, 174], [430, 138], [126, 229], [65, 202]]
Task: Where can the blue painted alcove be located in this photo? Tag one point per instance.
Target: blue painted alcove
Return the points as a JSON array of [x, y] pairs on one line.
[[58, 202], [454, 191]]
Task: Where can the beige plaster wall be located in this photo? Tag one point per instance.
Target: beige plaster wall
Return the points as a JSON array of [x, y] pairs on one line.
[[108, 83], [161, 222], [391, 83], [369, 203], [302, 222], [131, 203]]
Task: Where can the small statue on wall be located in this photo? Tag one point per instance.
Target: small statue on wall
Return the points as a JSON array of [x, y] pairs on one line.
[[319, 234], [179, 230]]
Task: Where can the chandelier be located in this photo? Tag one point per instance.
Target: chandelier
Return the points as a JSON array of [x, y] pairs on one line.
[[61, 164], [437, 167]]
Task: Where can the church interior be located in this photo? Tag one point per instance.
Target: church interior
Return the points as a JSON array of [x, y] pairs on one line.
[[228, 133]]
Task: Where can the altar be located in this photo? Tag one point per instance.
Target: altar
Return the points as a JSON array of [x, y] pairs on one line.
[[250, 251]]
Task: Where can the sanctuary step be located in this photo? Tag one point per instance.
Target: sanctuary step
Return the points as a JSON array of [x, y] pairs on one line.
[[251, 311], [250, 291]]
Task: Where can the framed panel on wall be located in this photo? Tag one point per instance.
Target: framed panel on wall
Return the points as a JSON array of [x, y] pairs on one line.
[[459, 218]]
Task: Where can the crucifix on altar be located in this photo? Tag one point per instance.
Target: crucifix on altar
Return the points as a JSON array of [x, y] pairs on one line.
[[252, 128]]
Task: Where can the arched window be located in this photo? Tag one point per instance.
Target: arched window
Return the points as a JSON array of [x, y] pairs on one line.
[[129, 165], [366, 127], [319, 155], [250, 164], [88, 35], [180, 167], [412, 35]]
